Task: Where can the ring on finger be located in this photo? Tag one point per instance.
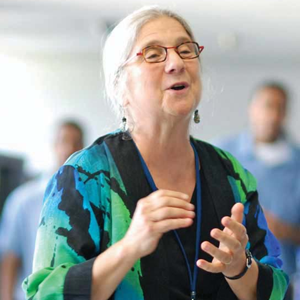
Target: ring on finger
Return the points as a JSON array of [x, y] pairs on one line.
[[228, 263]]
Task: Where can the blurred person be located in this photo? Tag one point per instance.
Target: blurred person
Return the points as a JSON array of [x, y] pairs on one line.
[[149, 212], [21, 216], [268, 153]]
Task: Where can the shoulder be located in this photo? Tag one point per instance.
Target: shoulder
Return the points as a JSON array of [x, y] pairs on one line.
[[96, 156], [220, 152], [86, 172], [212, 152], [296, 150], [232, 165]]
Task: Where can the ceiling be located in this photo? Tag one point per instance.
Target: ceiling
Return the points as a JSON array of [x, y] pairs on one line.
[[235, 30]]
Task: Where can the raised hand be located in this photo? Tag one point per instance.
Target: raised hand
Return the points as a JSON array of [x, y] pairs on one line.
[[160, 212], [229, 258]]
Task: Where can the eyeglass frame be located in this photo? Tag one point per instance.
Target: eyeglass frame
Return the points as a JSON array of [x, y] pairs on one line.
[[141, 53]]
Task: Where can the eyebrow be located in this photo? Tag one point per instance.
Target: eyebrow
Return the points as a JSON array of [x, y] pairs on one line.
[[159, 42]]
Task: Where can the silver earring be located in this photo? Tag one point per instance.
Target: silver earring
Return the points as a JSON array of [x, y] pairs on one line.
[[196, 116], [124, 129], [124, 125]]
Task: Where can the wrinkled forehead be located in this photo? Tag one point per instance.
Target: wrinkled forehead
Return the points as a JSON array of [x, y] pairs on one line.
[[160, 31]]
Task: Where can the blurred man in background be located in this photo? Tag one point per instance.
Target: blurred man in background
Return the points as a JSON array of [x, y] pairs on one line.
[[21, 213], [274, 160]]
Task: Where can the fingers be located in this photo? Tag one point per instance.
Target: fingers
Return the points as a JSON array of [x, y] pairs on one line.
[[171, 224], [172, 194], [233, 225], [234, 228], [216, 267], [166, 204], [160, 212], [229, 256], [221, 256], [237, 212], [167, 201], [169, 209], [163, 198], [171, 213], [232, 243]]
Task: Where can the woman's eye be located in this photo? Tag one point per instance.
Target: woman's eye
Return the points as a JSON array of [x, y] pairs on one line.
[[186, 51], [153, 55]]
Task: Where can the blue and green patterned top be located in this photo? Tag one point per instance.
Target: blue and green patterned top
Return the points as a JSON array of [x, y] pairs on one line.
[[89, 204]]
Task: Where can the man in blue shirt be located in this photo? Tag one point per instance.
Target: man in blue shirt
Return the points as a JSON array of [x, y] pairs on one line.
[[274, 160], [21, 213]]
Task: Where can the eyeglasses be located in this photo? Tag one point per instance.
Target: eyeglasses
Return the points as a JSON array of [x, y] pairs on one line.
[[157, 54]]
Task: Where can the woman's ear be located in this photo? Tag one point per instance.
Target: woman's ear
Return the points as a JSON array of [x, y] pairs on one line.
[[125, 102]]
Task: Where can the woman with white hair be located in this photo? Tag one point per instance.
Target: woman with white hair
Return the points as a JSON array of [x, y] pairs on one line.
[[149, 212]]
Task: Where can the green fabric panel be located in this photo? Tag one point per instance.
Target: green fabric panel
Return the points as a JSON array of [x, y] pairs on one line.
[[244, 174], [238, 192], [220, 152], [47, 283], [280, 283]]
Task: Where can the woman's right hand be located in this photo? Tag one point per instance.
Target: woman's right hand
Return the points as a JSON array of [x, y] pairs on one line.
[[154, 215], [160, 212]]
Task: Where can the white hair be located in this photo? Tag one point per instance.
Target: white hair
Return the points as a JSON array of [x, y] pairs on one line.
[[118, 47]]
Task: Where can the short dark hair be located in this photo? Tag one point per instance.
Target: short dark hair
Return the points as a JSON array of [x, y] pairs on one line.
[[69, 123], [274, 85]]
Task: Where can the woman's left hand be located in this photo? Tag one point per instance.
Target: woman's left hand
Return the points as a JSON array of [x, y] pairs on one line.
[[229, 258]]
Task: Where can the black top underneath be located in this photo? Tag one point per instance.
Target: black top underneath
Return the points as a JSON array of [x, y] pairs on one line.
[[179, 284]]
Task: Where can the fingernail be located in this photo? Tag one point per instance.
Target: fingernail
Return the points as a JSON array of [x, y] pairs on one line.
[[205, 247], [214, 233], [227, 221], [192, 206]]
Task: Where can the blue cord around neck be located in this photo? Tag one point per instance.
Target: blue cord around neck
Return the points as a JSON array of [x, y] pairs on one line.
[[192, 278]]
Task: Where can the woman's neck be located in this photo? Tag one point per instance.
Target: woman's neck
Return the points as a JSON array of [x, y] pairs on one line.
[[164, 145], [167, 151], [169, 157]]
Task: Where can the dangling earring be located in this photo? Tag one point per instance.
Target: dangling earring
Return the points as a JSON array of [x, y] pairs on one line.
[[124, 128], [124, 125], [196, 116]]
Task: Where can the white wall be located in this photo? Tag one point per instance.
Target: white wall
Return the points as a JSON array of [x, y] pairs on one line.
[[38, 90], [225, 101]]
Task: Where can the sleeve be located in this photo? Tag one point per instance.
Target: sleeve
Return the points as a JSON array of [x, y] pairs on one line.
[[68, 238], [272, 281], [10, 227]]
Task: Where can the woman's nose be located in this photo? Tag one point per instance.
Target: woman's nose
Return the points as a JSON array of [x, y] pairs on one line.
[[174, 63]]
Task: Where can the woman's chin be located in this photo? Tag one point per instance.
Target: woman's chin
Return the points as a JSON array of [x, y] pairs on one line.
[[180, 116], [182, 112]]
